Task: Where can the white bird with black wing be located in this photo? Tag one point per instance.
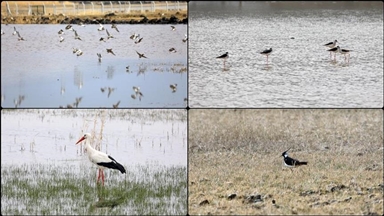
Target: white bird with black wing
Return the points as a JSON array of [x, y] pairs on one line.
[[99, 158]]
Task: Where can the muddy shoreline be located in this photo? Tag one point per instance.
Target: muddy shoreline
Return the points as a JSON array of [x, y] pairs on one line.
[[176, 18]]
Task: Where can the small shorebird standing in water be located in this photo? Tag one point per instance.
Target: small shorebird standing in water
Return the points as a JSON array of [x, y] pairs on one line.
[[345, 52], [225, 56], [173, 28], [331, 45], [267, 52], [99, 55], [61, 39], [334, 50], [172, 50]]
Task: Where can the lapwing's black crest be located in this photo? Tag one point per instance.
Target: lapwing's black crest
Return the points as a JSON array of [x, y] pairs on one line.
[[291, 162]]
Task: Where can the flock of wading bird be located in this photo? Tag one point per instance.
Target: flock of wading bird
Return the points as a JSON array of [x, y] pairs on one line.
[[334, 49], [135, 37]]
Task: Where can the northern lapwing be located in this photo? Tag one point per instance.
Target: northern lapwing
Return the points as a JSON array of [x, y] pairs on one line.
[[291, 162]]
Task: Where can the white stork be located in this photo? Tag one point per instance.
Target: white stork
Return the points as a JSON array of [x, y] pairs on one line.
[[99, 158]]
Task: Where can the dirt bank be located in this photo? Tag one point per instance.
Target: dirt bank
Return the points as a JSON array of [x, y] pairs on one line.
[[179, 17]]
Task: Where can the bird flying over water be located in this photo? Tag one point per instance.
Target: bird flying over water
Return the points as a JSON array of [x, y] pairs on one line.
[[110, 51], [141, 55], [115, 27]]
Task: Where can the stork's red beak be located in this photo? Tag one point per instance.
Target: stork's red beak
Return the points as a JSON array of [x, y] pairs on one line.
[[81, 139]]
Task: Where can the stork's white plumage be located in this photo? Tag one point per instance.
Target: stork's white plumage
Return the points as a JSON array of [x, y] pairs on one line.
[[99, 158]]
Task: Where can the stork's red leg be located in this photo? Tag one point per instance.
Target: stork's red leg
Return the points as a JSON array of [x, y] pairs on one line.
[[98, 176], [102, 174]]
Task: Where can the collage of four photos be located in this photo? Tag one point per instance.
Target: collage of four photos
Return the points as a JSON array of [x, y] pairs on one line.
[[192, 108]]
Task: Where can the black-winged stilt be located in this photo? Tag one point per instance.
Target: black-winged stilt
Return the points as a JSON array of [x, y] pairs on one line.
[[267, 52]]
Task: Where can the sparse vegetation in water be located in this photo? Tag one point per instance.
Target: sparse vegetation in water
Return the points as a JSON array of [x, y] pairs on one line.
[[50, 189], [122, 114]]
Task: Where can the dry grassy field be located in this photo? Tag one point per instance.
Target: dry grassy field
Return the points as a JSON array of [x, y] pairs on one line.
[[236, 167]]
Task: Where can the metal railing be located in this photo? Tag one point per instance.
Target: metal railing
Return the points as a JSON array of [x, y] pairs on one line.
[[89, 8]]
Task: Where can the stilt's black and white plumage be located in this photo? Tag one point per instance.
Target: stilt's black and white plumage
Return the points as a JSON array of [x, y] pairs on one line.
[[99, 158], [331, 44], [225, 56], [334, 50], [267, 52], [345, 52], [290, 162]]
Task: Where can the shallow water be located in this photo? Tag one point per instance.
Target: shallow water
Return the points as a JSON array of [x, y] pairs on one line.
[[130, 136], [39, 147], [46, 73], [299, 72]]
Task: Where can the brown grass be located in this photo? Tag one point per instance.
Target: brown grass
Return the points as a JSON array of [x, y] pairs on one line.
[[240, 152], [119, 16]]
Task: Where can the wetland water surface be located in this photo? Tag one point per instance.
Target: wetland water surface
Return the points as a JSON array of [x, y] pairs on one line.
[[299, 72], [39, 159], [42, 72]]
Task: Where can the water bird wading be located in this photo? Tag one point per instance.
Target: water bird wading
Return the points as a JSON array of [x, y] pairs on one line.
[[99, 158]]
